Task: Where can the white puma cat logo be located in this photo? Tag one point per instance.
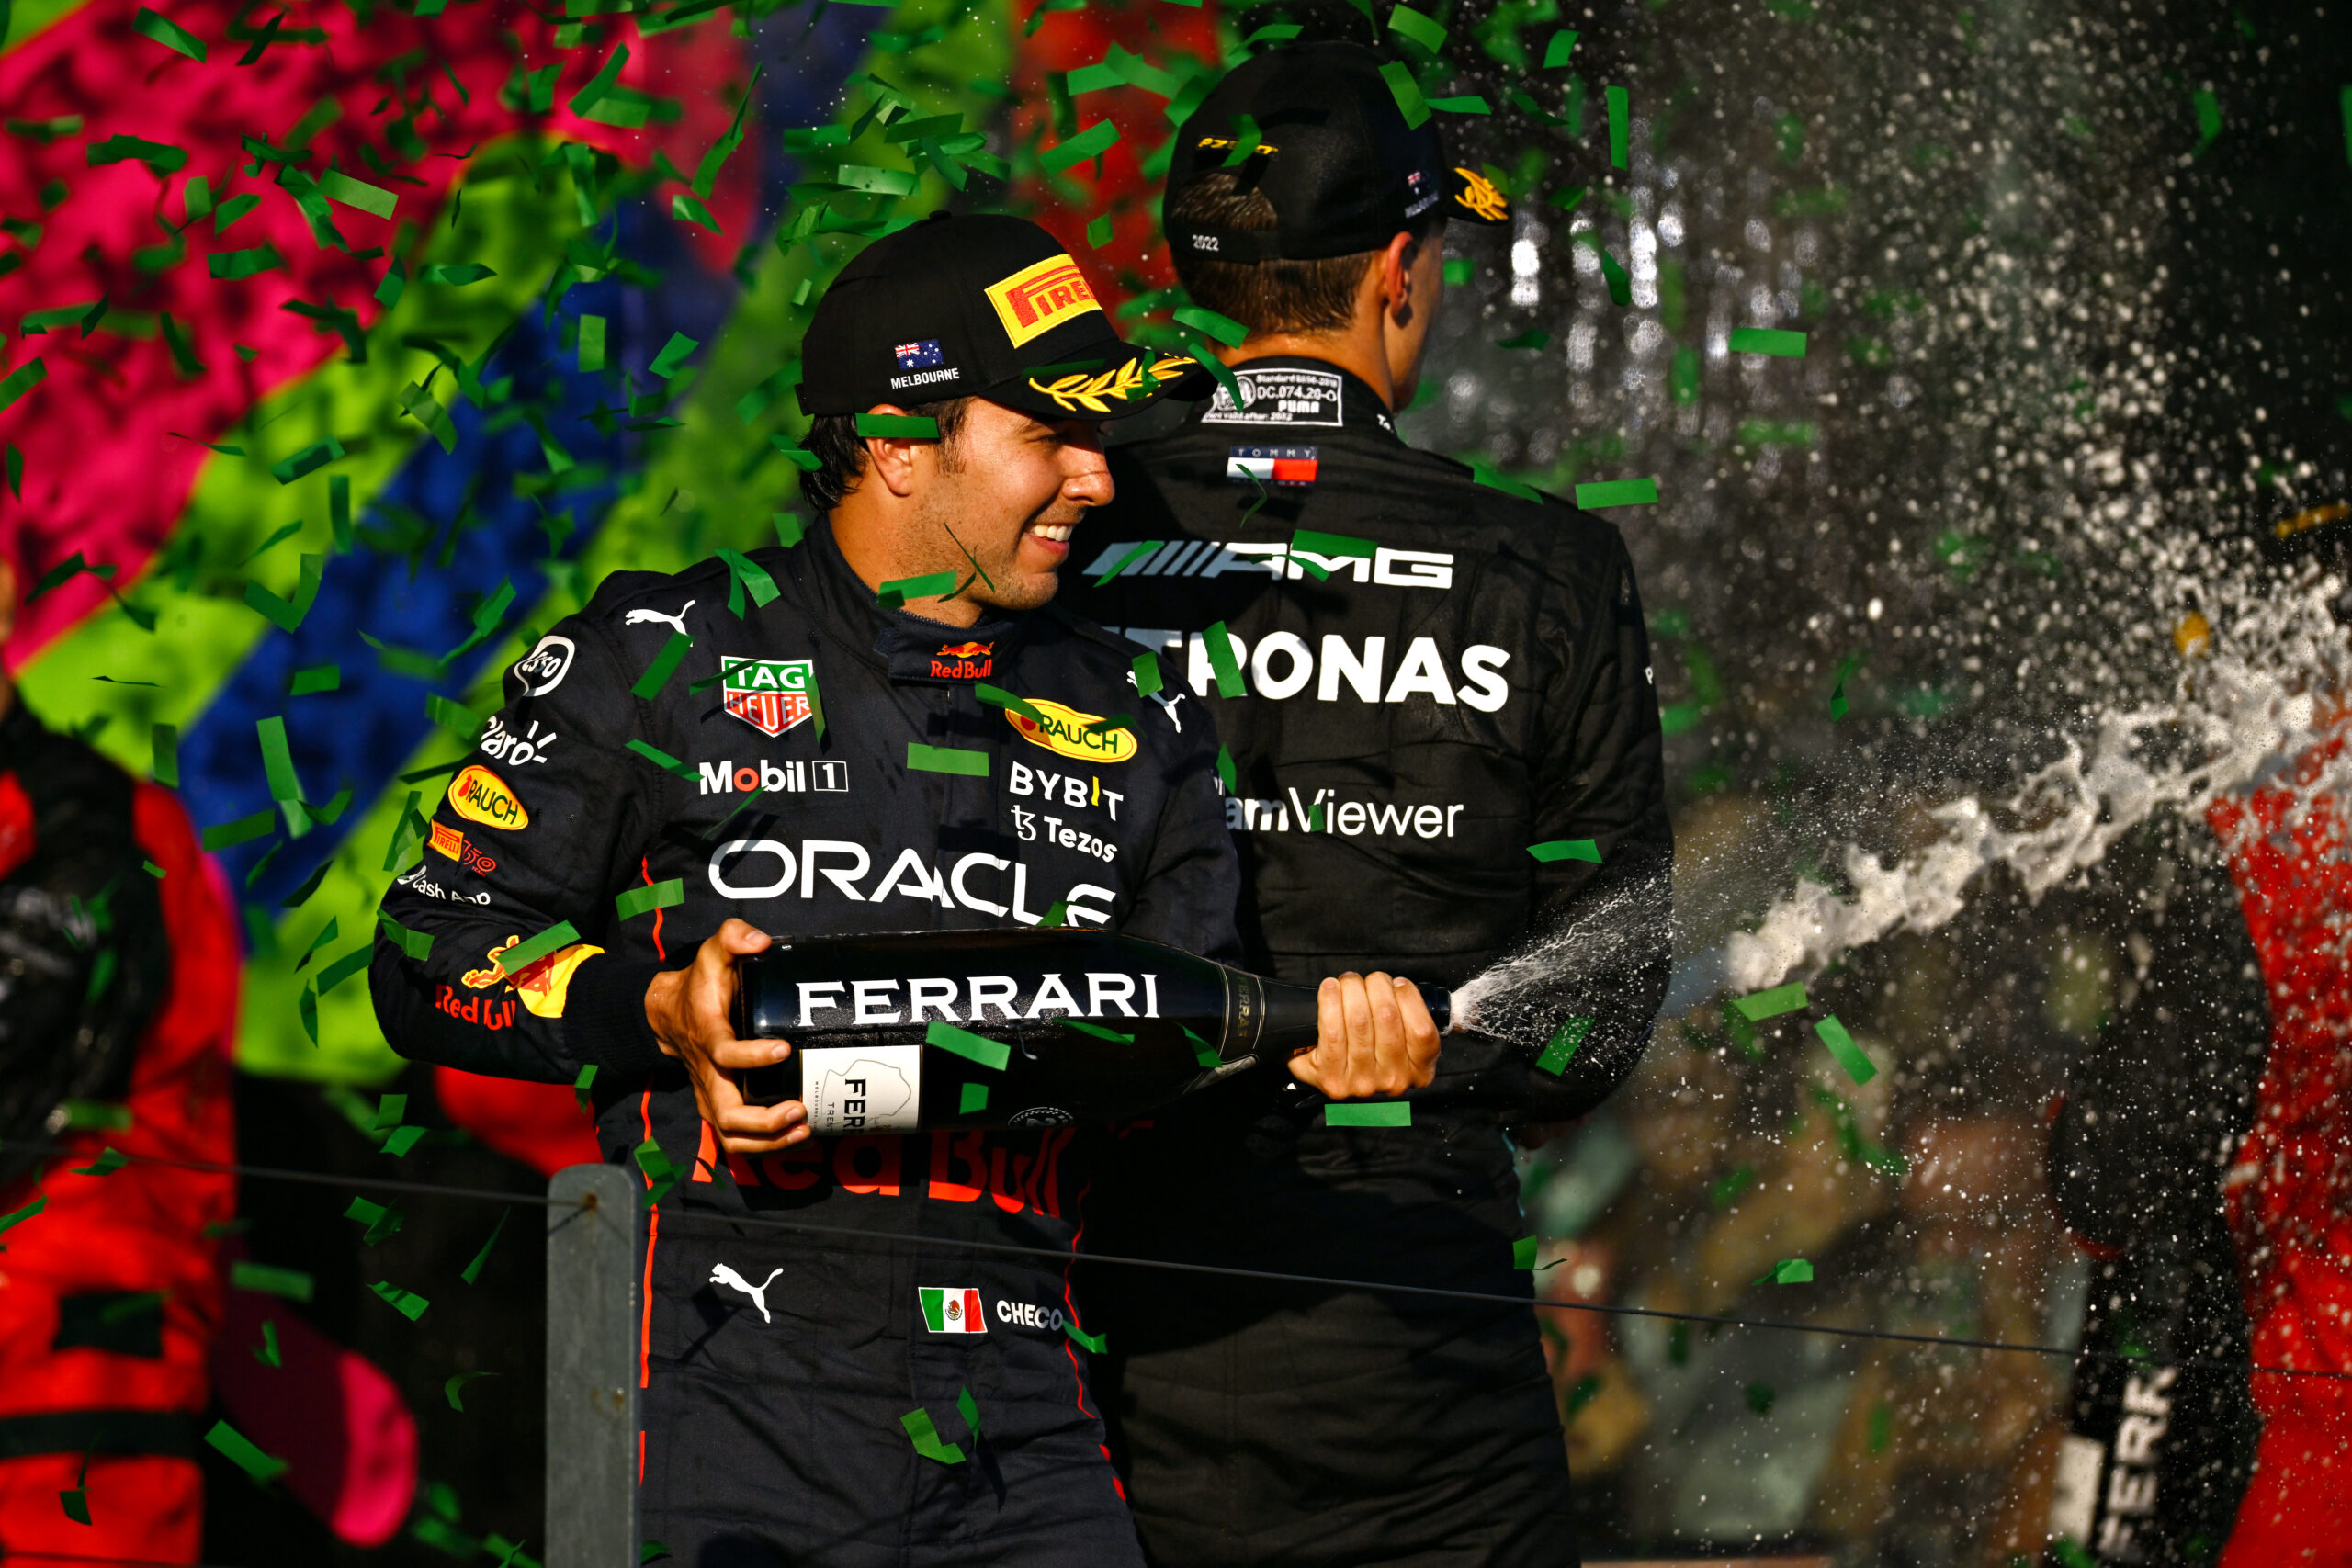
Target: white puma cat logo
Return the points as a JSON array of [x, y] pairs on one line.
[[647, 617], [1167, 704], [723, 1275]]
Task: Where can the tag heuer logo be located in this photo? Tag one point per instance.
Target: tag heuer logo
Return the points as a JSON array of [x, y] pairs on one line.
[[769, 695]]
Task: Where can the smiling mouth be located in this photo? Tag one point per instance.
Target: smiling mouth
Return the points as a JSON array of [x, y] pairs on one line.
[[1059, 533]]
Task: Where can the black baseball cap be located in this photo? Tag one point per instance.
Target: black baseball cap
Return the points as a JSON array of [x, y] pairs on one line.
[[983, 306], [1334, 155]]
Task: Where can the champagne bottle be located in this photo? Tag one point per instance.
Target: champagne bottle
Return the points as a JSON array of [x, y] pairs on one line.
[[917, 1030]]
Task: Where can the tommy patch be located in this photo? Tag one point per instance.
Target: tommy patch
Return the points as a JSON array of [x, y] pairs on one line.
[[769, 695], [1280, 396], [1271, 465], [1041, 297]]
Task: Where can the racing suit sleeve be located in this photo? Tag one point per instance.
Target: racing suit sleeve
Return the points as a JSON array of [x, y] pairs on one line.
[[1190, 891], [1599, 943], [513, 850]]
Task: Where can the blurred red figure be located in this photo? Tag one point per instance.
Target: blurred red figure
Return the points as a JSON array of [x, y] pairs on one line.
[[2290, 1191], [118, 1007]]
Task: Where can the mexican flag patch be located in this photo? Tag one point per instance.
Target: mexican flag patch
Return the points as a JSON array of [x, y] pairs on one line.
[[951, 1309]]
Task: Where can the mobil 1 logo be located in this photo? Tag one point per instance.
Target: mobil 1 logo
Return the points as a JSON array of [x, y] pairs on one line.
[[799, 776]]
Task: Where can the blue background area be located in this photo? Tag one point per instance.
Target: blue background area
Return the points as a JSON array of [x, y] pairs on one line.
[[364, 733]]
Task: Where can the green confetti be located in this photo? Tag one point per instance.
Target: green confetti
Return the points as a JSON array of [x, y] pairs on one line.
[[894, 426], [262, 1280], [336, 185], [1533, 337], [166, 770], [1759, 1397], [1223, 661], [15, 1217], [473, 1271], [579, 1093], [645, 900], [1481, 474], [663, 760], [457, 1382], [923, 759], [1204, 1052], [1092, 142], [97, 1116], [1618, 492], [665, 664], [1566, 849], [975, 1098], [659, 1174], [1760, 1005], [1331, 545], [402, 1140], [267, 1352], [1859, 1067], [1226, 771], [316, 679], [455, 275], [1620, 126], [1098, 1342], [1225, 329], [408, 1303], [1837, 704], [160, 156], [381, 1222], [1147, 674], [998, 697], [1408, 94], [673, 357], [1563, 1045], [1556, 53], [415, 943], [1099, 232], [746, 574], [1125, 561], [971, 1047], [171, 35], [22, 379], [230, 266], [240, 1452], [592, 343], [788, 529], [1882, 1430], [1379, 1113], [1766, 339], [1788, 1271], [110, 1161], [894, 593], [515, 960], [1423, 30], [927, 1440], [1096, 1030]]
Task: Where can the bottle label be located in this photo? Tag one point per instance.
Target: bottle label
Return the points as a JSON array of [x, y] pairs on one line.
[[864, 1088]]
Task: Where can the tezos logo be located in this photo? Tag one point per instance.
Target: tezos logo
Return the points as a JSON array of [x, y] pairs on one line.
[[542, 670], [480, 795], [1067, 732]]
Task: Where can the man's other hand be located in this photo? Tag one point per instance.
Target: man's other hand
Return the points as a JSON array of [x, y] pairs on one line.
[[691, 1012], [1376, 1038]]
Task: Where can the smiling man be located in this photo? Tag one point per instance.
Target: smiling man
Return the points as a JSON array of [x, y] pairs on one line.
[[801, 744]]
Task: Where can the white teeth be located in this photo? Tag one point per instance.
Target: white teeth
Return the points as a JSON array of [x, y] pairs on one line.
[[1057, 532]]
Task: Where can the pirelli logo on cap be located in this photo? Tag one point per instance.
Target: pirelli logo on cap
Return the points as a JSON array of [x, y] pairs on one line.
[[1040, 298]]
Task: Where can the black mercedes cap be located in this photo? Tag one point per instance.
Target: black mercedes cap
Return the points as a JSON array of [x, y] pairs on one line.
[[985, 305], [1334, 155]]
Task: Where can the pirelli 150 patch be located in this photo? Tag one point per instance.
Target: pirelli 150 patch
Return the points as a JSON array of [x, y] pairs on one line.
[[1271, 465]]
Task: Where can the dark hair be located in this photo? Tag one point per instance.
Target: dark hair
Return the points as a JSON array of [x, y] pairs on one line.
[[1270, 295], [840, 454]]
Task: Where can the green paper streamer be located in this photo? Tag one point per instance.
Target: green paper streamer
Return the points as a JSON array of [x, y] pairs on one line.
[[971, 1047], [1859, 1067], [892, 427], [1563, 1045], [645, 900], [515, 960], [1768, 340], [975, 1098], [1092, 142], [1225, 329], [1408, 94], [172, 35], [1757, 1007], [1556, 53], [473, 1271], [663, 760], [1566, 849], [1423, 30], [665, 664], [927, 1440], [291, 1284], [240, 1451], [923, 759], [408, 1303], [1620, 126], [1222, 661], [1125, 561], [457, 1382], [1618, 492], [1380, 1113]]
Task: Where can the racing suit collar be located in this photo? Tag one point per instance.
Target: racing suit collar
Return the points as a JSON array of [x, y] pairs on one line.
[[1294, 394], [913, 648]]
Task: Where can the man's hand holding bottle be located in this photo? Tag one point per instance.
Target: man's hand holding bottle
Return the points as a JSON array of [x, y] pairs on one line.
[[1376, 1038]]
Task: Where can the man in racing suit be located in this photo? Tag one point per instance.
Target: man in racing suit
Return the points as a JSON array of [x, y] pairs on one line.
[[1445, 749], [743, 737]]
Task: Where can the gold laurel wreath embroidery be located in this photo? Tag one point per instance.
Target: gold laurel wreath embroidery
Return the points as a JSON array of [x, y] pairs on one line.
[[1093, 392], [1482, 197]]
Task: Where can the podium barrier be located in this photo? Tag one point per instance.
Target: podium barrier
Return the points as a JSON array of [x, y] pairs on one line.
[[592, 1419]]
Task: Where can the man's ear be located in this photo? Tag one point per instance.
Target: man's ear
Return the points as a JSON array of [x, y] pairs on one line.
[[891, 458], [1395, 271]]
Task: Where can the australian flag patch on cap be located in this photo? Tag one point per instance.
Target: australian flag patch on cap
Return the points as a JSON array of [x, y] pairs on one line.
[[1271, 465], [919, 355]]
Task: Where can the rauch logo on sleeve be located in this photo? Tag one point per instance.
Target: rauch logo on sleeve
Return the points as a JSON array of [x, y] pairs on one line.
[[1066, 732], [480, 795], [951, 1309], [769, 695], [1040, 298]]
